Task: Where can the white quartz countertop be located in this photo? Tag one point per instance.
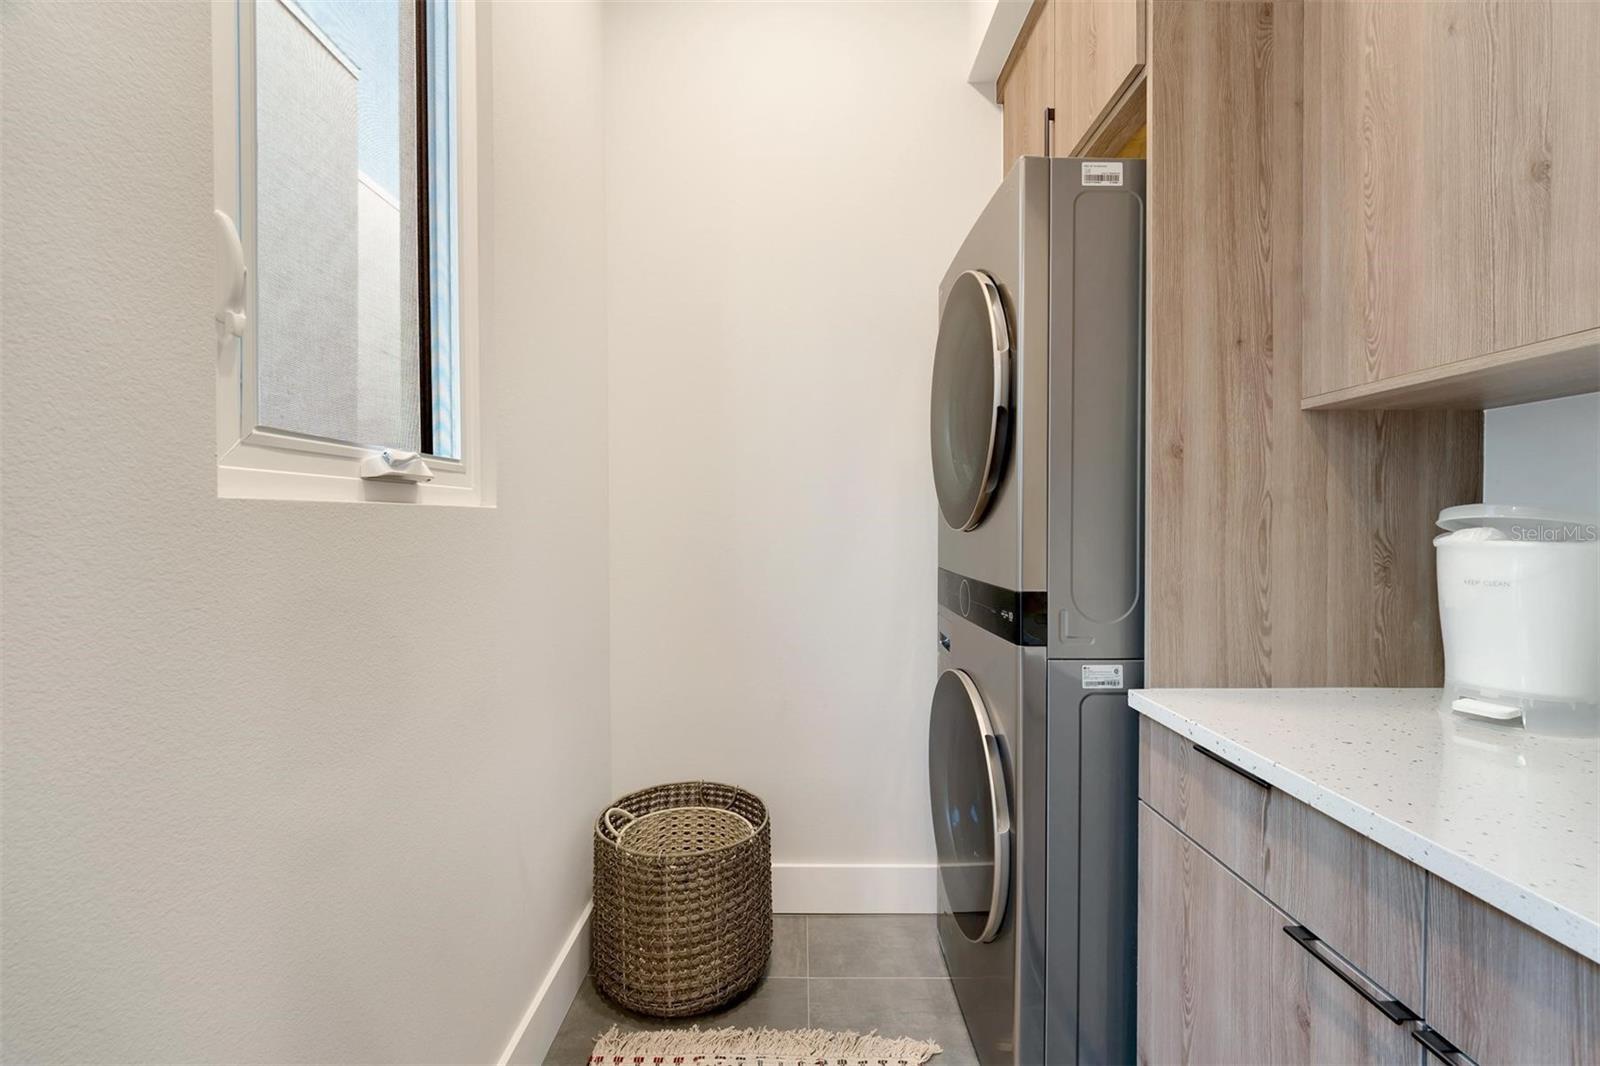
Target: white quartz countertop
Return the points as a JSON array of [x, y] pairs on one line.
[[1510, 817]]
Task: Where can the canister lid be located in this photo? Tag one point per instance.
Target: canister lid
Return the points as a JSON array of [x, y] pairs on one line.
[[1522, 523]]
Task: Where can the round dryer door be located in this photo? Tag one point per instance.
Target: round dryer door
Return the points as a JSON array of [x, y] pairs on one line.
[[971, 812], [971, 399]]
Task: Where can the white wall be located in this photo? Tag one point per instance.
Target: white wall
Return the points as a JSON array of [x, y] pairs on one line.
[[994, 26], [1544, 454], [786, 184], [282, 782]]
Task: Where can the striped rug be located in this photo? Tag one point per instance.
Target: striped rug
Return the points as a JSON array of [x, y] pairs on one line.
[[757, 1047]]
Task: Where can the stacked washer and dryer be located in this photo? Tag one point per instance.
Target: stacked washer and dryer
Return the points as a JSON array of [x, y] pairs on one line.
[[1037, 431]]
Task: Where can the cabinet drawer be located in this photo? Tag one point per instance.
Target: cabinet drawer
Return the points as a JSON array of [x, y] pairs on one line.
[[1220, 809], [1359, 898], [1502, 992], [1221, 982], [1362, 899]]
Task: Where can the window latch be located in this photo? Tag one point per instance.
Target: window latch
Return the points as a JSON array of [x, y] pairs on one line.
[[391, 465], [230, 279]]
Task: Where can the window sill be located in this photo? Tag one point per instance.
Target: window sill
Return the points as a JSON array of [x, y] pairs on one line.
[[267, 464], [249, 483]]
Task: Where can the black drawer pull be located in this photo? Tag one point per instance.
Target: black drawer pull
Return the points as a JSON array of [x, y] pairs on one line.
[[1220, 761], [1392, 1009], [1438, 1046]]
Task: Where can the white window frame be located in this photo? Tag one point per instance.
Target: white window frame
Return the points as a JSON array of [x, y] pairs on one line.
[[254, 462]]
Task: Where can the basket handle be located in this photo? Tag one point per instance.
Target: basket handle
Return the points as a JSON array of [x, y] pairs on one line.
[[615, 829]]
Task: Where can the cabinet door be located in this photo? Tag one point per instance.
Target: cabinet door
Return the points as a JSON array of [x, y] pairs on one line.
[[1027, 87], [1452, 182], [1503, 993], [1221, 982], [1100, 47]]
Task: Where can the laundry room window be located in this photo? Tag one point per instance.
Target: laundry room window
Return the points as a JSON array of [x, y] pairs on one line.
[[346, 224]]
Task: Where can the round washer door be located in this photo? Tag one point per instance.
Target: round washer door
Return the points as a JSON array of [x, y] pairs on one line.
[[971, 811], [971, 399]]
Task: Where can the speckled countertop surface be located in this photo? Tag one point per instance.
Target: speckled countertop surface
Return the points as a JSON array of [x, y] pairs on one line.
[[1510, 817]]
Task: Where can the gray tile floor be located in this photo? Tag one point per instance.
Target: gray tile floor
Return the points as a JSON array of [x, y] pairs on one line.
[[831, 971]]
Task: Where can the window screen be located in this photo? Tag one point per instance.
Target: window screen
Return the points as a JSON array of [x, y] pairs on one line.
[[355, 248]]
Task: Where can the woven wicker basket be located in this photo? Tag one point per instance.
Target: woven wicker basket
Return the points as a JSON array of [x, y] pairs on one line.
[[682, 918]]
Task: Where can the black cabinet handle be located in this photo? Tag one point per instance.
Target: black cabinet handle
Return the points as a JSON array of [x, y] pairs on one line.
[[1438, 1046], [1392, 1009], [1220, 761]]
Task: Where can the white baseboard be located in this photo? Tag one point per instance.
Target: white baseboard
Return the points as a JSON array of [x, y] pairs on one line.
[[854, 888], [537, 1030]]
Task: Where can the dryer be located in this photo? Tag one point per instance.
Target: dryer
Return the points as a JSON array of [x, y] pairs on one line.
[[1036, 428]]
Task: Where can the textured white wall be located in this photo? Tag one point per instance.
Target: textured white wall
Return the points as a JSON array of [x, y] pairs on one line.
[[785, 185], [1544, 454], [282, 782]]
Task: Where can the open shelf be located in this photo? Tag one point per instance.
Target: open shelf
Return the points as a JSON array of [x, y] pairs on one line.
[[1561, 366]]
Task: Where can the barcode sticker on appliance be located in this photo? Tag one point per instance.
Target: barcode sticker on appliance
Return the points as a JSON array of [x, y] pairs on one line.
[[1102, 675], [1102, 173]]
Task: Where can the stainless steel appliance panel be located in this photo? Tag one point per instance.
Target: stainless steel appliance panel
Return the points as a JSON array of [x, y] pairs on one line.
[[1096, 411], [1031, 882], [1090, 925]]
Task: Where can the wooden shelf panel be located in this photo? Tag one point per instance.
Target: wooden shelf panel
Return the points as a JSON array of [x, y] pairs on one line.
[[1561, 366], [1120, 129]]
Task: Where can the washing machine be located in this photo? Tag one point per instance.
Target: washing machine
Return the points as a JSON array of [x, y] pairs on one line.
[[1037, 442]]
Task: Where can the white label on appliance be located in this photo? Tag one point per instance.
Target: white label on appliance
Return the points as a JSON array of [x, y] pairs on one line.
[[1102, 675], [1102, 173]]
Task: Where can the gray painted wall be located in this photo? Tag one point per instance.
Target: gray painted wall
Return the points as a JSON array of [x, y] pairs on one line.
[[1546, 454]]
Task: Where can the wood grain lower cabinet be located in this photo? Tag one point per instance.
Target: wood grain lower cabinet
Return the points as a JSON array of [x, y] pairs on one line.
[[1358, 896], [1355, 894], [1221, 982], [1205, 941], [1503, 993], [1224, 811], [1382, 952]]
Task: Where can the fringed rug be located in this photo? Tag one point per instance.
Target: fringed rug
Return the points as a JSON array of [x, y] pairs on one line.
[[758, 1047]]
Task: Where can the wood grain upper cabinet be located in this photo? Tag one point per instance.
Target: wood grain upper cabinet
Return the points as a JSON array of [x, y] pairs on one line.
[[1027, 86], [1100, 50], [1452, 183], [1076, 57]]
